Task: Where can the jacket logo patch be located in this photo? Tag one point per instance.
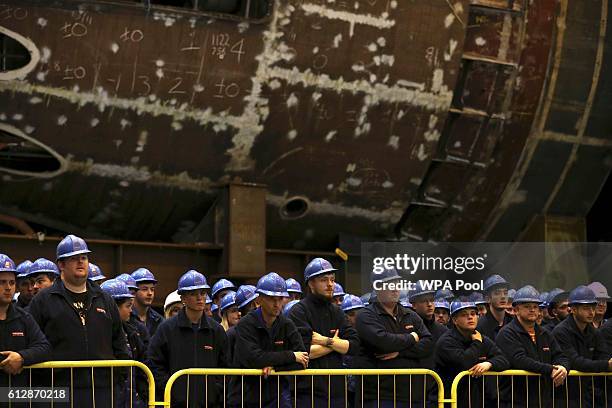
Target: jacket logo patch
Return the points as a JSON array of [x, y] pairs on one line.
[[545, 349], [99, 310], [408, 327], [279, 342], [207, 347], [17, 334]]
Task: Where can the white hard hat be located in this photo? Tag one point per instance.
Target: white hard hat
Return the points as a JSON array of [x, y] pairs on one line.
[[173, 297], [601, 293]]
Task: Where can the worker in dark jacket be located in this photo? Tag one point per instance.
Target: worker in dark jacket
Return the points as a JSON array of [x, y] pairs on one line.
[[22, 342], [82, 323], [422, 301], [189, 340], [326, 334], [392, 336], [496, 294], [143, 299], [558, 308], [582, 346], [25, 286], [529, 347], [134, 391], [268, 340], [463, 348]]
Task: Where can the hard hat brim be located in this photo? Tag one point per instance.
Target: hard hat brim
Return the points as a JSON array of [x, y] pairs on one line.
[[463, 308], [249, 300], [145, 280], [271, 293], [583, 302], [526, 300], [97, 278], [39, 271], [348, 309], [73, 253], [190, 288], [294, 290], [123, 296], [322, 272], [416, 295]]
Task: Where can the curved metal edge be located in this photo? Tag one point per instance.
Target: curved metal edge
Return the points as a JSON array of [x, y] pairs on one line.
[[29, 45], [19, 133]]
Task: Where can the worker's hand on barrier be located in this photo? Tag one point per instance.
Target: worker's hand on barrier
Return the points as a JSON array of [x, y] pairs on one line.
[[318, 339], [13, 362], [302, 358], [477, 336], [416, 336], [480, 368], [266, 371], [387, 356], [558, 375]]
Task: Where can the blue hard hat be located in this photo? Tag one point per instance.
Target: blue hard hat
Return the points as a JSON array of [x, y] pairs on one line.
[[405, 301], [220, 285], [351, 302], [23, 268], [338, 290], [477, 298], [556, 295], [128, 280], [143, 275], [494, 281], [365, 298], [272, 285], [94, 273], [445, 294], [7, 264], [387, 275], [71, 245], [288, 306], [419, 290], [214, 307], [228, 300], [511, 294], [543, 299], [245, 295], [191, 280], [208, 300], [42, 265], [458, 305], [582, 295], [526, 294], [293, 286], [441, 304], [316, 267], [117, 289]]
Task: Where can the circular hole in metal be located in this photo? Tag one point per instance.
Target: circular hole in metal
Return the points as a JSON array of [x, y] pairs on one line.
[[23, 155], [18, 55], [294, 208]]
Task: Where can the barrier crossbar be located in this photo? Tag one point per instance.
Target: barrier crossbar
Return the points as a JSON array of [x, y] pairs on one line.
[[308, 373], [94, 364], [598, 399]]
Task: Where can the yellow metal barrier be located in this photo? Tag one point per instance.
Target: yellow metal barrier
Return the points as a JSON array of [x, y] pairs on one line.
[[101, 364], [302, 373], [513, 373]]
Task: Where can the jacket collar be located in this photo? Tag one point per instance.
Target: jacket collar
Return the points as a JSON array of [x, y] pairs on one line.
[[518, 327], [59, 288], [183, 321], [378, 308], [318, 300]]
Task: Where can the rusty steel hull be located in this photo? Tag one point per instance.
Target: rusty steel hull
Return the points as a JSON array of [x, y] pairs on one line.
[[388, 119]]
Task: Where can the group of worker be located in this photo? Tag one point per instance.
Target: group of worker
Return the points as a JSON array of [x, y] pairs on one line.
[[64, 313]]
